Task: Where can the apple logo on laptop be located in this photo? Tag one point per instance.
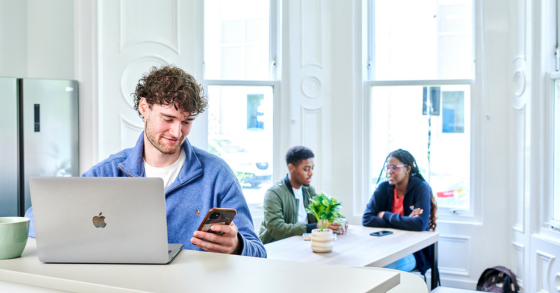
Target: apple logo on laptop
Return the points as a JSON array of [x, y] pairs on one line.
[[99, 221]]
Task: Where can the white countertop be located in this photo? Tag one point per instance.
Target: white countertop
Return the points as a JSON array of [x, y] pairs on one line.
[[194, 271]]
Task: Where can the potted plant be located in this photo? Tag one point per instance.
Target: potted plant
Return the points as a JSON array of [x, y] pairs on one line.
[[325, 209]]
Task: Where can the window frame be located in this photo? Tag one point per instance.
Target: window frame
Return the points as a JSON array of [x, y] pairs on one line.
[[275, 29], [474, 214], [548, 225]]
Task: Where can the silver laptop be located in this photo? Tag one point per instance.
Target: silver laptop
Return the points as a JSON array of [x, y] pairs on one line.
[[101, 220]]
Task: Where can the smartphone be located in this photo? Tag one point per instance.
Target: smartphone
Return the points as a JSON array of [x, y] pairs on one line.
[[217, 216], [381, 233]]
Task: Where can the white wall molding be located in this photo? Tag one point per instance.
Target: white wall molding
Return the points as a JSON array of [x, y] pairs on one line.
[[518, 167], [311, 87], [447, 255], [134, 36], [311, 136], [133, 71], [86, 71], [306, 60], [519, 83], [518, 265], [518, 22], [133, 32], [544, 263], [311, 30], [130, 132]]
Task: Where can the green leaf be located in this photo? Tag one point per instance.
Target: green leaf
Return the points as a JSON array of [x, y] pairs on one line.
[[323, 207]]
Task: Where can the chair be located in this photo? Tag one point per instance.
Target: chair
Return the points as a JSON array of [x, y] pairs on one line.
[[410, 283]]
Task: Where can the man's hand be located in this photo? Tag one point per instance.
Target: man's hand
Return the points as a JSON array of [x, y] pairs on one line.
[[416, 212], [380, 214], [336, 228], [226, 243]]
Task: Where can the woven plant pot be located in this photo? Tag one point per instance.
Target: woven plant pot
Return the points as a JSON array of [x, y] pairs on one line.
[[322, 241]]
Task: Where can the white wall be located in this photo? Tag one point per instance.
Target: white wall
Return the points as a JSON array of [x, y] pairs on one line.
[[13, 38], [129, 44], [37, 39], [308, 83], [50, 39]]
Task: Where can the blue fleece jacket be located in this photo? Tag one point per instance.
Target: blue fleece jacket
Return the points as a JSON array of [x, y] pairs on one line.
[[419, 195], [204, 182]]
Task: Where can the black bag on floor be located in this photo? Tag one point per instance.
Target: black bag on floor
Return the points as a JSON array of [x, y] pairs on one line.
[[498, 280]]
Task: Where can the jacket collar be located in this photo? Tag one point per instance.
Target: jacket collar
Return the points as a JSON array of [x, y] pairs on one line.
[[288, 184], [291, 189], [134, 164], [412, 181]]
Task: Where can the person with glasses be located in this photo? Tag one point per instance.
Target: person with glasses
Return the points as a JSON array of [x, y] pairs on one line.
[[405, 201]]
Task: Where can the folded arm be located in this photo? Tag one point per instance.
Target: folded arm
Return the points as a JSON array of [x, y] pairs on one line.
[[370, 218]]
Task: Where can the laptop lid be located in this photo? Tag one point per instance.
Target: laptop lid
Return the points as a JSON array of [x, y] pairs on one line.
[[100, 220]]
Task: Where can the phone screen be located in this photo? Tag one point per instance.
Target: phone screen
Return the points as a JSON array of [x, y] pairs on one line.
[[381, 233], [217, 217]]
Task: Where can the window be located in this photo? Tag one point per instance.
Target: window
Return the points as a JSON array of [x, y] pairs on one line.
[[424, 40], [439, 142], [236, 39], [421, 79], [240, 45], [240, 131], [551, 204]]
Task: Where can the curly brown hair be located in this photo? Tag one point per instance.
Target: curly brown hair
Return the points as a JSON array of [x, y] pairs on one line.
[[170, 85]]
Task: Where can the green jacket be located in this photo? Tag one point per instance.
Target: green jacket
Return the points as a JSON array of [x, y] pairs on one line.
[[281, 212]]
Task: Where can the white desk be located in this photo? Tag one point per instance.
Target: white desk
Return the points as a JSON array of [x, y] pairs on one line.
[[194, 271], [356, 248]]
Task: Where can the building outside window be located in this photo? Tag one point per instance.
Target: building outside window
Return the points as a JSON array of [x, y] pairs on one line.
[[421, 78], [239, 59]]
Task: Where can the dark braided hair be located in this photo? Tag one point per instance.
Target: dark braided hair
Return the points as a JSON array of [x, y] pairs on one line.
[[406, 158]]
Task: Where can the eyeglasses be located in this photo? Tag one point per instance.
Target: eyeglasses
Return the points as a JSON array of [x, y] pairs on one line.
[[394, 168]]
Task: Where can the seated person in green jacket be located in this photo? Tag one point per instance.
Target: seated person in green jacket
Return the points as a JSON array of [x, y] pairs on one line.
[[285, 202]]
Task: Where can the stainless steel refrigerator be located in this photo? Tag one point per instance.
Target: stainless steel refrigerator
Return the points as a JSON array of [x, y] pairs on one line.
[[38, 136]]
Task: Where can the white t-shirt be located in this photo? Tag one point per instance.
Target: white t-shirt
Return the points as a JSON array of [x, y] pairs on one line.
[[169, 173], [302, 214]]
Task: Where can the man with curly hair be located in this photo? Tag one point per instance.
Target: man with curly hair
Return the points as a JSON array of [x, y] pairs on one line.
[[168, 100]]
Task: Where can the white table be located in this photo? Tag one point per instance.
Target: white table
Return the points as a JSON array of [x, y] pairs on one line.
[[193, 271], [356, 248]]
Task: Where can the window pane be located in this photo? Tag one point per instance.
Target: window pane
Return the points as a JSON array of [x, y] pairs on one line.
[[236, 39], [401, 120], [423, 39], [556, 199], [240, 129]]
